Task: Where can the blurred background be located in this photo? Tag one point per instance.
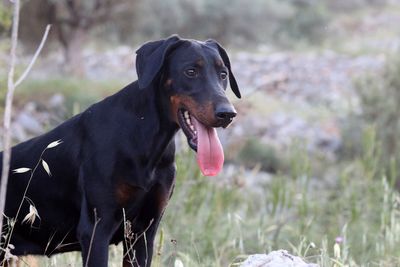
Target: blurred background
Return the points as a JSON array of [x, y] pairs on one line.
[[312, 159]]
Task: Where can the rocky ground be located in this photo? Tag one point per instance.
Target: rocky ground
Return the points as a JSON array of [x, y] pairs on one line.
[[308, 96]]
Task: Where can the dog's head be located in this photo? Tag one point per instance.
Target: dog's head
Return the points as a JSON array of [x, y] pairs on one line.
[[194, 75]]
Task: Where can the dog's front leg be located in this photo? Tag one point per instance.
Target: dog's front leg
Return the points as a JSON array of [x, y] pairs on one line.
[[94, 233], [139, 239]]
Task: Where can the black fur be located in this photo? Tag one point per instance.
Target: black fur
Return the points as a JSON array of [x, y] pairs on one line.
[[116, 157]]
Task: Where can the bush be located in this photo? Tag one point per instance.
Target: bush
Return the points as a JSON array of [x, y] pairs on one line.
[[254, 154], [260, 22], [351, 129], [351, 5], [224, 20], [380, 101], [238, 23], [307, 24]]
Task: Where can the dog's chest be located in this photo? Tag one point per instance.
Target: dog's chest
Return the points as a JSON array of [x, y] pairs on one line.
[[126, 193]]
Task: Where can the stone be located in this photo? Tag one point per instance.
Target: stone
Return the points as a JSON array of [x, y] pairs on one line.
[[279, 258], [29, 123]]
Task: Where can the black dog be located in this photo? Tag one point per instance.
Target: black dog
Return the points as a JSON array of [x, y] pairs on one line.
[[114, 171]]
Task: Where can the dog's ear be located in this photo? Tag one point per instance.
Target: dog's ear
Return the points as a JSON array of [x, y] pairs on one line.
[[150, 59], [225, 58]]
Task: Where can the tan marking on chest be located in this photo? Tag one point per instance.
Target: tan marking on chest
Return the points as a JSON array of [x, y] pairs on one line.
[[125, 192]]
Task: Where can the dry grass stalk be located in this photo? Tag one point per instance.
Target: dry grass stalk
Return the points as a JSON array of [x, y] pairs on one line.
[[11, 85]]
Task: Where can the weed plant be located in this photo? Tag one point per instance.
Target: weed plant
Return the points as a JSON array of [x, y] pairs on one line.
[[351, 218]]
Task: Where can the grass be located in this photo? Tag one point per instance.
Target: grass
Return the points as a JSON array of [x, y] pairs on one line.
[[351, 218], [355, 211]]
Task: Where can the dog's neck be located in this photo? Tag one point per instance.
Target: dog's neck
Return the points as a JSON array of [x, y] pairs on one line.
[[152, 107]]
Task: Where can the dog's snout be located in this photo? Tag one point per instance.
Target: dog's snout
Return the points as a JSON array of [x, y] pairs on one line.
[[225, 114]]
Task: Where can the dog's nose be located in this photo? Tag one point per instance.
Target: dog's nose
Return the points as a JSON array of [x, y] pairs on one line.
[[225, 114]]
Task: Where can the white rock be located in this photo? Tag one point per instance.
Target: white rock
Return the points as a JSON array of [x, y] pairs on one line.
[[29, 123], [279, 258], [56, 101]]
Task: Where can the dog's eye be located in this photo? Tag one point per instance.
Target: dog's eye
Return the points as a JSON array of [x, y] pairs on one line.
[[223, 75], [191, 73]]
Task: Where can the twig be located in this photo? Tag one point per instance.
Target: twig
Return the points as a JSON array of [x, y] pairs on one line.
[[9, 99], [137, 237], [126, 235], [96, 222], [7, 114], [35, 56]]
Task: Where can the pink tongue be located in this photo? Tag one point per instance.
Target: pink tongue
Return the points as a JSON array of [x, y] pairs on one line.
[[210, 155]]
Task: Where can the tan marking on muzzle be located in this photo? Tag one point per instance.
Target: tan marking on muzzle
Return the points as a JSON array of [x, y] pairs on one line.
[[204, 113]]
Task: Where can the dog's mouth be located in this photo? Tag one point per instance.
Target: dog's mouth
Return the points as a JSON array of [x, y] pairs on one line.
[[204, 140]]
